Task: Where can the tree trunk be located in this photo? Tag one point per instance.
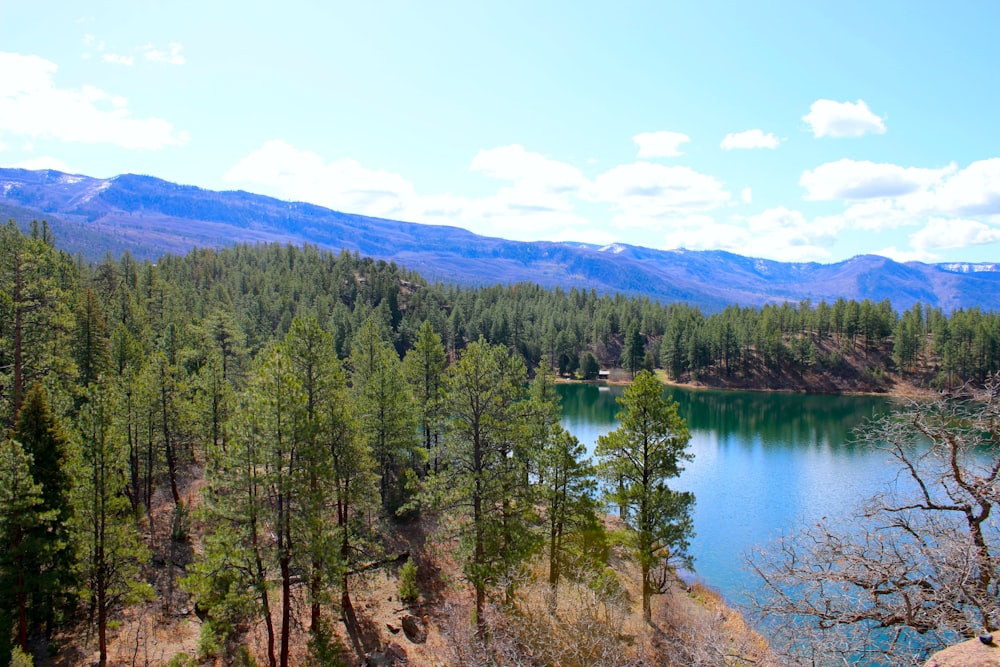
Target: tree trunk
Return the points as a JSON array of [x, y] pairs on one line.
[[18, 389], [167, 444], [265, 603], [647, 613], [286, 608]]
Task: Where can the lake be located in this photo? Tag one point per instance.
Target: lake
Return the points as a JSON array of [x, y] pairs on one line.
[[763, 464]]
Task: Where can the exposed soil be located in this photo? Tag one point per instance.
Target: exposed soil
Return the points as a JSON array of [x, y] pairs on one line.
[[165, 631], [835, 369]]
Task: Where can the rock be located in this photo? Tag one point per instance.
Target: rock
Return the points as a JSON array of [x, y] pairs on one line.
[[394, 629], [397, 652], [414, 629], [393, 655], [973, 653]]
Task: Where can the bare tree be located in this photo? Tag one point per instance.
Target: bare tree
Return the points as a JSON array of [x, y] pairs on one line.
[[912, 568]]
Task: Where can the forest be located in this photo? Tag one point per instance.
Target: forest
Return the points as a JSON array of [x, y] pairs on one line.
[[245, 431]]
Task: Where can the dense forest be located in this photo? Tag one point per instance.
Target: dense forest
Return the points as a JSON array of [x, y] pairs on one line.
[[244, 431]]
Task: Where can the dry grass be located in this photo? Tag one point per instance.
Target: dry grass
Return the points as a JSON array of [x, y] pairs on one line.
[[698, 629], [595, 619]]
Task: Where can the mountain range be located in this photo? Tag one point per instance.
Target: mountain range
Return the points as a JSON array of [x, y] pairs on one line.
[[150, 217]]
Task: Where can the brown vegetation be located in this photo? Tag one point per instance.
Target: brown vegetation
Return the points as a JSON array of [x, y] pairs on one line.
[[597, 619]]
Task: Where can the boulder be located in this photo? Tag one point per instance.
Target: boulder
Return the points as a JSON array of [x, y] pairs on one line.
[[414, 629], [973, 653]]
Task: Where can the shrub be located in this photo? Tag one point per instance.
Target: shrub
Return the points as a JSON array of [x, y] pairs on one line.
[[19, 658], [408, 591]]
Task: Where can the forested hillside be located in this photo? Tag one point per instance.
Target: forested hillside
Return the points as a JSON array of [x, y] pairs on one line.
[[152, 217], [241, 433]]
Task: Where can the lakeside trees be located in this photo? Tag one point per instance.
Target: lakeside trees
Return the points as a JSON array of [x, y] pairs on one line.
[[234, 360], [636, 461]]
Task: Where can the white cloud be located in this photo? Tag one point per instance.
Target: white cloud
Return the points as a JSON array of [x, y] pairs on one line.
[[785, 234], [117, 59], [903, 256], [828, 118], [172, 56], [974, 190], [98, 45], [773, 234], [44, 162], [660, 144], [853, 179], [32, 106], [537, 204], [749, 139], [343, 185], [875, 215], [644, 190], [942, 233], [514, 163], [705, 234], [747, 195]]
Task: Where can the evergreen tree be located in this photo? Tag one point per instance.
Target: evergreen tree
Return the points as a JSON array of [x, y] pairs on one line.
[[90, 344], [590, 369], [424, 367], [566, 489], [21, 545], [636, 460], [385, 413], [634, 353], [480, 483], [35, 319], [47, 449], [111, 552]]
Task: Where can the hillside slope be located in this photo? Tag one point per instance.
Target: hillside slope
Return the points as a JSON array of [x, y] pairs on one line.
[[150, 217]]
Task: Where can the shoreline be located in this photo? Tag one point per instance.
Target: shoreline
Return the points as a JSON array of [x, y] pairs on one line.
[[898, 390]]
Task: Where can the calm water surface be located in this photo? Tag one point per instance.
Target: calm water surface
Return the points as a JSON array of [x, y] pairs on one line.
[[764, 463]]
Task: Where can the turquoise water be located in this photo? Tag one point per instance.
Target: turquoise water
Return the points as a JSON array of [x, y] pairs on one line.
[[764, 463]]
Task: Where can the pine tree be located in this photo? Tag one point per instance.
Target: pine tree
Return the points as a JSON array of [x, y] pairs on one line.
[[90, 344], [481, 483], [637, 459], [386, 413], [424, 367], [21, 544], [111, 551], [47, 448], [566, 490], [35, 319]]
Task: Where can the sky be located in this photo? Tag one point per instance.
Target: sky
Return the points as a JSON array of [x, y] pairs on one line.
[[796, 131]]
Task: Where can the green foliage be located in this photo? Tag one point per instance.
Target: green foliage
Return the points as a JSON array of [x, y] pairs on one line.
[[324, 647], [408, 591], [209, 641], [19, 658], [423, 367], [52, 556], [483, 481], [385, 410], [21, 546], [36, 283], [636, 460], [589, 367], [182, 659], [111, 551], [231, 358], [244, 658]]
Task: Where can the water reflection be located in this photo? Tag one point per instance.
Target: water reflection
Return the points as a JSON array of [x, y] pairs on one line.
[[764, 463]]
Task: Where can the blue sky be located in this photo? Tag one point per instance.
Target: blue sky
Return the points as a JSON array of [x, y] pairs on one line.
[[798, 131]]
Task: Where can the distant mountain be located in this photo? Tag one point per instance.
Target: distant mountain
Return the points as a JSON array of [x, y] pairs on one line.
[[151, 217]]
